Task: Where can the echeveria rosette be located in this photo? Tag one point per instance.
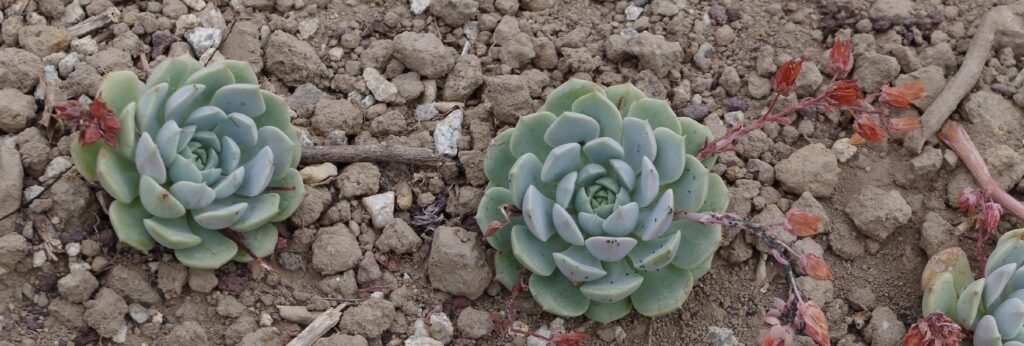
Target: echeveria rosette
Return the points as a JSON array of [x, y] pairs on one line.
[[991, 307], [201, 151], [597, 174]]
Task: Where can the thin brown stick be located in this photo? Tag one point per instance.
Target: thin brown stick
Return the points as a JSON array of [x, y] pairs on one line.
[[110, 16], [318, 327], [371, 153]]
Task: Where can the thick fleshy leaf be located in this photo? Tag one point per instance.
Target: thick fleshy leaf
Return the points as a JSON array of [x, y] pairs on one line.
[[120, 88], [215, 250], [571, 127], [240, 98], [261, 242], [157, 200], [277, 115], [663, 291], [208, 140], [582, 202], [85, 157], [995, 284], [240, 128], [173, 71], [117, 175], [219, 215], [987, 332], [603, 149], [149, 107], [1009, 317], [695, 133], [565, 190], [206, 117], [691, 189], [506, 269], [126, 135], [717, 199], [940, 296], [499, 160], [697, 271], [566, 226], [167, 141], [147, 160], [181, 102], [624, 174], [647, 184], [489, 211], [589, 173], [185, 139], [212, 78], [619, 283], [578, 265], [968, 306], [657, 112], [623, 96], [562, 98], [171, 233], [610, 249], [230, 183], [622, 221], [655, 220], [598, 106], [239, 69], [537, 214], [261, 209], [533, 253], [528, 134], [192, 195], [280, 144], [655, 254], [698, 242], [671, 158], [608, 312], [230, 154], [183, 169], [557, 295], [290, 198], [638, 142], [590, 223], [524, 174], [258, 172], [1008, 250], [952, 260], [126, 219], [562, 160]]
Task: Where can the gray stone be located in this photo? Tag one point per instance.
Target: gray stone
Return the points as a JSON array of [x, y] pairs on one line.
[[877, 213], [457, 263], [335, 250], [875, 70], [813, 169], [13, 173], [424, 53]]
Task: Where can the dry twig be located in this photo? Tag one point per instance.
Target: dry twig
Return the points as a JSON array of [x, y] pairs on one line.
[[371, 153]]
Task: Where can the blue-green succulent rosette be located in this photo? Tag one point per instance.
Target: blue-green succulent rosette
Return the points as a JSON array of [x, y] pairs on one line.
[[204, 163], [597, 174]]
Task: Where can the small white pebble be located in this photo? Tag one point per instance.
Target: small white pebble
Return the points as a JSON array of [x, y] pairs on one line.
[[266, 320], [73, 249]]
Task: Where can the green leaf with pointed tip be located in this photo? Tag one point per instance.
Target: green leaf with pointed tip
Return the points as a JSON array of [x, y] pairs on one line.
[[261, 242], [562, 160], [695, 133], [717, 199], [655, 220], [638, 142], [498, 161], [598, 106], [1009, 317], [528, 134], [213, 77], [692, 188], [702, 268], [182, 169], [171, 233], [149, 107], [524, 173], [126, 135], [280, 145], [622, 220], [557, 295], [240, 98], [619, 283], [578, 265], [537, 214], [671, 158], [117, 175], [240, 69], [182, 102], [571, 127], [941, 296], [240, 128], [258, 173], [987, 333], [193, 195], [663, 291], [590, 223], [206, 117], [230, 154], [506, 269], [624, 174], [655, 254], [126, 219], [214, 251], [697, 243], [173, 71], [85, 157], [489, 211], [603, 149], [610, 249], [968, 306], [566, 226], [261, 209], [167, 141], [1008, 250], [589, 173], [647, 184], [289, 199], [657, 112], [565, 190], [219, 215], [157, 200], [561, 99], [533, 253], [277, 115], [608, 312], [623, 96], [119, 88], [582, 202], [995, 285]]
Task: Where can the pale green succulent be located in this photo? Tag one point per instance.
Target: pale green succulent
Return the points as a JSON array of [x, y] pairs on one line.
[[993, 306], [200, 150], [597, 174]]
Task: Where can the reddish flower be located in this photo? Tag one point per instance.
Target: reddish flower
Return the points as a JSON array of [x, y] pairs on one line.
[[856, 139], [840, 58], [777, 335], [988, 219], [815, 267], [802, 224], [95, 122], [814, 323], [969, 199], [903, 96], [785, 77], [868, 130], [903, 125], [934, 330], [844, 93]]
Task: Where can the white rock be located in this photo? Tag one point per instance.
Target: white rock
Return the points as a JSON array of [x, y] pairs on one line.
[[266, 320], [158, 317], [67, 65], [336, 53], [418, 6], [196, 5], [843, 149], [422, 341], [367, 101], [308, 27], [441, 328], [426, 111], [447, 133], [535, 341], [85, 45], [73, 13], [203, 39], [317, 173], [472, 30], [32, 192], [381, 208], [212, 18], [382, 89], [122, 335], [72, 249], [138, 313], [38, 259], [633, 12], [734, 118], [56, 168]]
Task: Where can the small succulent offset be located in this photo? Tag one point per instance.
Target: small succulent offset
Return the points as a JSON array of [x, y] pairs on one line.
[[993, 306], [199, 160], [582, 195]]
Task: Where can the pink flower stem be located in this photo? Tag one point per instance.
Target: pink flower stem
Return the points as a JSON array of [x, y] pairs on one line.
[[954, 135], [725, 143]]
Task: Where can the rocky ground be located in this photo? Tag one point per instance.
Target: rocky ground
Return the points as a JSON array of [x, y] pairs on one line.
[[397, 243]]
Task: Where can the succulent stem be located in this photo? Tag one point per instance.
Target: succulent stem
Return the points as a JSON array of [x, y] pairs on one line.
[[725, 143]]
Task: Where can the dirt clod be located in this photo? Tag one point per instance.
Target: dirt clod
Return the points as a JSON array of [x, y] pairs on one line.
[[369, 319], [877, 213], [77, 286], [335, 250], [105, 313], [457, 248]]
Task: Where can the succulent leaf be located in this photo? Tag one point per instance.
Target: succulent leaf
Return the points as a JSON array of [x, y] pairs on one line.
[[577, 264], [638, 142], [604, 111], [571, 127], [260, 241], [126, 219], [662, 291], [529, 134], [171, 233], [506, 269], [117, 175], [620, 281], [557, 295], [119, 89], [657, 113], [214, 251]]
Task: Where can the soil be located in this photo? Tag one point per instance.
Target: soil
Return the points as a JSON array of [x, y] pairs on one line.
[[335, 59]]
